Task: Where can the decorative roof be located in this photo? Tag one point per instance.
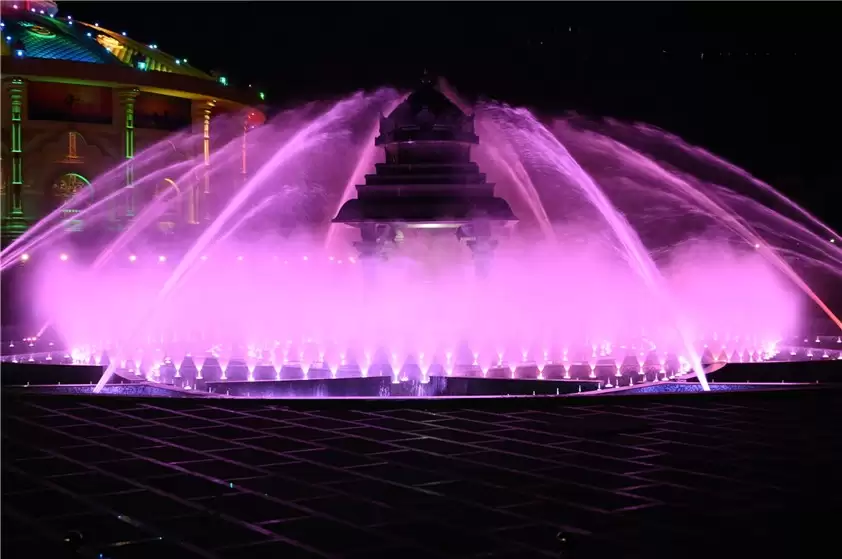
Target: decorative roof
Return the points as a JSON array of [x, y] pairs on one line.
[[427, 114], [430, 179], [425, 99], [455, 208], [39, 32]]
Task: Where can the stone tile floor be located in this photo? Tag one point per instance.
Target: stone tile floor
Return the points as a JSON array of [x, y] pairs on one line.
[[667, 476]]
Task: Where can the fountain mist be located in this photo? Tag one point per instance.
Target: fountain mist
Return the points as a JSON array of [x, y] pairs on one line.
[[643, 260]]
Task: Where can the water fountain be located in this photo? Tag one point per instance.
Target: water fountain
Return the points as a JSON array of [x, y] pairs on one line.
[[598, 261]]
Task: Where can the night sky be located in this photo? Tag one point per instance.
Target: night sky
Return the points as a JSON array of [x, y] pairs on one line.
[[754, 82]]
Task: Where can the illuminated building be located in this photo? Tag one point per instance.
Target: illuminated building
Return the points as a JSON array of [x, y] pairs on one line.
[[80, 99]]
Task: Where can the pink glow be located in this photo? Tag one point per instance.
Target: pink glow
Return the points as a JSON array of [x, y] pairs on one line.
[[538, 298], [617, 250]]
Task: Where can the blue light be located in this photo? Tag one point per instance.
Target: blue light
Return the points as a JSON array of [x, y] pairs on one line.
[[141, 65], [123, 33], [89, 34], [19, 53], [9, 38]]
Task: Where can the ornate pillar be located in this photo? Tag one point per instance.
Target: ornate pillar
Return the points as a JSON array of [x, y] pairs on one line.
[[14, 221], [483, 253], [377, 240], [127, 99], [198, 206], [479, 239]]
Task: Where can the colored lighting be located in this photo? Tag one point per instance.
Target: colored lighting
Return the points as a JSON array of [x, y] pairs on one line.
[[19, 53], [63, 257], [89, 34], [223, 80], [24, 257], [305, 294], [262, 96], [141, 65]]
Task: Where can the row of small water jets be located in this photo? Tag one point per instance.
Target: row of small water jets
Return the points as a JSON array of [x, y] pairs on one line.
[[163, 259], [286, 363], [713, 349]]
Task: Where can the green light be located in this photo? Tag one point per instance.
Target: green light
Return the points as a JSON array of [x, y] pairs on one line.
[[128, 129], [141, 65], [262, 96], [16, 98], [223, 80]]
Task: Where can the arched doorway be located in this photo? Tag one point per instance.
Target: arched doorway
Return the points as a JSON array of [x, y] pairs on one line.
[[167, 192], [65, 188]]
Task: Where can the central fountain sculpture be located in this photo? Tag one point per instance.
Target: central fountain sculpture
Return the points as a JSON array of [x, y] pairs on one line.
[[428, 181]]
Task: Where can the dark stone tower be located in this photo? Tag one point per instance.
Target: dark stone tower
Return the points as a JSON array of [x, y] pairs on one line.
[[427, 182]]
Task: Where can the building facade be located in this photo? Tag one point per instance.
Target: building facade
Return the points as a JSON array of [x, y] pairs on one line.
[[79, 100]]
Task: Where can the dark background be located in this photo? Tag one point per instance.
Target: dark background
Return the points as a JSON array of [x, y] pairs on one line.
[[755, 82]]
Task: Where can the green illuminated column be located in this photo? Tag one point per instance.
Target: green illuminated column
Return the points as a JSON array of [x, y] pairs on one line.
[[13, 222], [127, 101]]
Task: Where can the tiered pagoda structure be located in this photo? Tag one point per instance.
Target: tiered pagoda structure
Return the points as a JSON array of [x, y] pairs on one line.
[[427, 182]]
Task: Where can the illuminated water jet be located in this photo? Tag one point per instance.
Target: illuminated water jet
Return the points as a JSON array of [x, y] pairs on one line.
[[622, 282]]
